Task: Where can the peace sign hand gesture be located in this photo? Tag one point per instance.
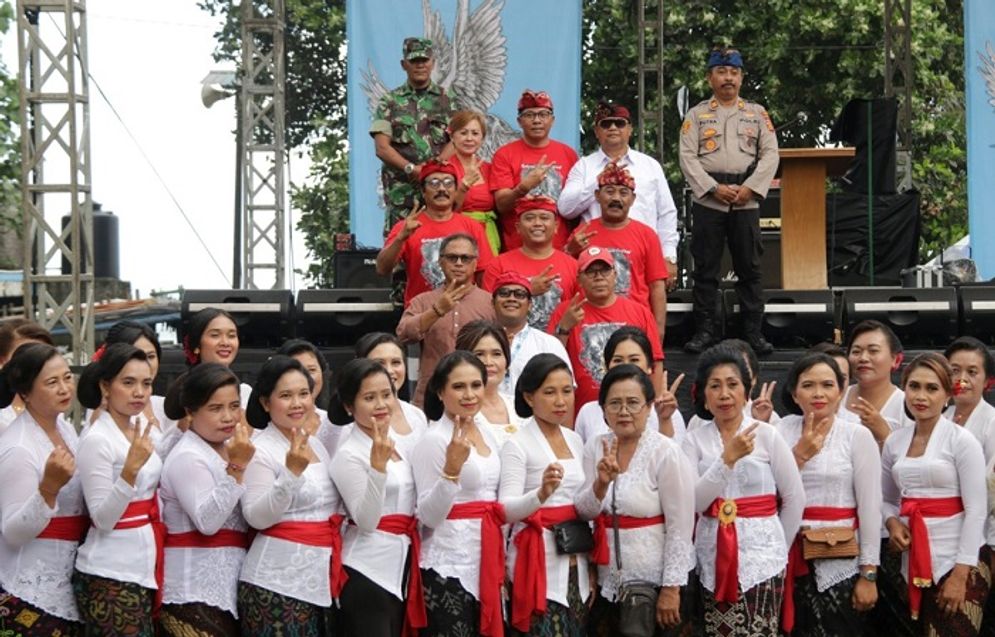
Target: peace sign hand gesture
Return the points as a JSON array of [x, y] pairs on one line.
[[871, 418], [739, 446], [763, 406], [542, 282], [574, 313], [412, 222], [666, 402], [812, 439], [535, 176], [580, 240], [458, 449], [608, 468], [382, 449], [138, 453], [299, 454]]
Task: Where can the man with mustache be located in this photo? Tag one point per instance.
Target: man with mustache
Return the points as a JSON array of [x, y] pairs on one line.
[[534, 165], [654, 205], [415, 241], [552, 273], [434, 318], [585, 322], [728, 153], [640, 270], [512, 301]]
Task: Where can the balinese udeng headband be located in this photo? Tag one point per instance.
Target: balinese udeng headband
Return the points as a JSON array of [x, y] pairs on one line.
[[615, 175], [534, 99], [606, 110], [725, 57], [433, 166]]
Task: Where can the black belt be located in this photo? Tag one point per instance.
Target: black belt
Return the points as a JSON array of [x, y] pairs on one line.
[[730, 178]]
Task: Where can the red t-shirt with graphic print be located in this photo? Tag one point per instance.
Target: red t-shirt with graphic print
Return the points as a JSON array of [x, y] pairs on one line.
[[543, 305], [638, 257]]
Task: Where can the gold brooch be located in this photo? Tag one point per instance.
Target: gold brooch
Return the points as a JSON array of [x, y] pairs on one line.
[[727, 512], [510, 429]]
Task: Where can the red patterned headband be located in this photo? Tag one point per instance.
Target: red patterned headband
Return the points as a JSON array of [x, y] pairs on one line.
[[615, 175], [534, 99]]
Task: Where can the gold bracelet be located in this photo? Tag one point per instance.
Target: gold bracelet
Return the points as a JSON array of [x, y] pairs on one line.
[[437, 311], [451, 478]]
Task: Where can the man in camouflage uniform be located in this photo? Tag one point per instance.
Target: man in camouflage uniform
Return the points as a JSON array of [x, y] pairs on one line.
[[409, 128], [728, 153]]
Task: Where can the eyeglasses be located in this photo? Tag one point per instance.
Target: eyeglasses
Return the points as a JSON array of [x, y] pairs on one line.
[[436, 183], [458, 258], [608, 122], [533, 115], [518, 293], [633, 406], [600, 273]]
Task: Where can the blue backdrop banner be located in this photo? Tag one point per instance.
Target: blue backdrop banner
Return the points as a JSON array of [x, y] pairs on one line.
[[537, 43], [979, 70]]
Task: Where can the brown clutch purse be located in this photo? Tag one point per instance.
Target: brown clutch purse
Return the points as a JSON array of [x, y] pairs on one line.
[[829, 542]]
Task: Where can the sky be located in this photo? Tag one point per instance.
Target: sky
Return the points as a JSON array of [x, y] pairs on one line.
[[150, 63]]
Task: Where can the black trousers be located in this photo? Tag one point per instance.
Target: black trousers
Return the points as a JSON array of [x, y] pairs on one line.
[[712, 229], [369, 610]]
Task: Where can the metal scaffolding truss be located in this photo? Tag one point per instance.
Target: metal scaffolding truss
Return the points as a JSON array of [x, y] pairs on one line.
[[650, 43], [898, 79], [55, 167], [262, 134]]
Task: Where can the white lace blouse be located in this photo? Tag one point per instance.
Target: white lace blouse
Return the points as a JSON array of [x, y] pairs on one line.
[[37, 571], [198, 495], [981, 423], [503, 431], [590, 422], [524, 458], [952, 465], [769, 470], [659, 480], [846, 473], [369, 495], [126, 555], [273, 494], [452, 547]]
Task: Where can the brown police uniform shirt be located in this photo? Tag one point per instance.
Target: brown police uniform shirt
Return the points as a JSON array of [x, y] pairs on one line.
[[719, 139]]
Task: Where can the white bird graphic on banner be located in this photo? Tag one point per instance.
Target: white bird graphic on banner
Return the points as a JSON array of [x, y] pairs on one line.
[[987, 70], [472, 64]]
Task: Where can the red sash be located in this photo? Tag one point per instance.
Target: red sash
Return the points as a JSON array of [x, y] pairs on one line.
[[727, 543], [920, 563], [529, 592], [600, 554], [147, 512], [71, 528], [797, 566], [491, 516], [326, 534], [223, 538], [415, 616]]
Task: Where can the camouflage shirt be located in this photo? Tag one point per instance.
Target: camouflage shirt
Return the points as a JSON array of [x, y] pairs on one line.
[[416, 122]]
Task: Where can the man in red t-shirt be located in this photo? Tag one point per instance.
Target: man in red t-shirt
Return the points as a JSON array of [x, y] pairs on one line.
[[640, 271], [552, 273], [585, 322], [414, 241], [533, 165]]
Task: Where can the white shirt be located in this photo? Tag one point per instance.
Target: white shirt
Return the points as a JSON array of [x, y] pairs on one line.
[[846, 473], [769, 470], [37, 571], [893, 411], [7, 416], [198, 495], [654, 205], [503, 431], [590, 422], [523, 460], [452, 547], [330, 435], [273, 494], [658, 481], [981, 423], [126, 555], [526, 344], [952, 465], [369, 495]]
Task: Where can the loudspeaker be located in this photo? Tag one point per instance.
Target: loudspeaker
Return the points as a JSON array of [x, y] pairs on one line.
[[338, 317], [977, 311], [923, 317], [680, 319], [265, 318], [792, 318], [358, 269]]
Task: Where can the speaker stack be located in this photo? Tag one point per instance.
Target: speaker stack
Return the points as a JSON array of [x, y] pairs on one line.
[[264, 317]]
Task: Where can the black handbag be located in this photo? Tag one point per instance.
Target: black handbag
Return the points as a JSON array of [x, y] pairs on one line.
[[637, 598], [573, 536]]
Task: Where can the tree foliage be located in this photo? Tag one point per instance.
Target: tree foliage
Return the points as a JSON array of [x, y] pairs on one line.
[[10, 143], [802, 57]]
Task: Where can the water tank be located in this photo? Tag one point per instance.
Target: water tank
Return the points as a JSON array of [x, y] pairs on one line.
[[106, 251]]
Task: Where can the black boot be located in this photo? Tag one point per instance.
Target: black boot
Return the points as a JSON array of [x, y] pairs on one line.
[[754, 336], [703, 338]]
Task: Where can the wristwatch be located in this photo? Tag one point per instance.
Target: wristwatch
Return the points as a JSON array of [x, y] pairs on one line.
[[561, 331], [409, 168], [870, 576]]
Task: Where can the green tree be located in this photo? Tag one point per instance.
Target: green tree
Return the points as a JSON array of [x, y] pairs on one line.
[[10, 147]]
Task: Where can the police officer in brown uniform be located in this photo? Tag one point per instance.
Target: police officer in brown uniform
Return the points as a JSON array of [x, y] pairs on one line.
[[728, 153]]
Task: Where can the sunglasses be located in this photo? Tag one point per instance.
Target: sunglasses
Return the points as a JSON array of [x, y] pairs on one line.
[[518, 293], [458, 258], [608, 122]]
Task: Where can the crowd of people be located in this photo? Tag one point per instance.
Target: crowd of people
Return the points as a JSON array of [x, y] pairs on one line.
[[543, 479]]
